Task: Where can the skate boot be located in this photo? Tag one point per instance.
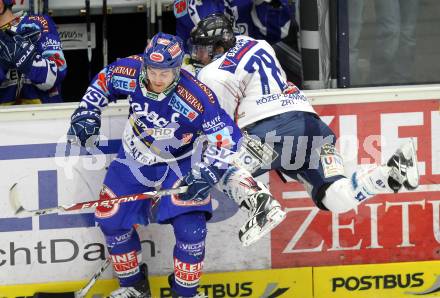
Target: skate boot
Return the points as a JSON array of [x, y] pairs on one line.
[[265, 214], [175, 295], [403, 168], [140, 290]]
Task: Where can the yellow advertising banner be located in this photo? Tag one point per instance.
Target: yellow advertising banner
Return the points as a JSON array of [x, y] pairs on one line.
[[288, 283], [394, 280]]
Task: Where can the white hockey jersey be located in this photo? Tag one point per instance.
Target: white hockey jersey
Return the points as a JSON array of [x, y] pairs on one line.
[[250, 83]]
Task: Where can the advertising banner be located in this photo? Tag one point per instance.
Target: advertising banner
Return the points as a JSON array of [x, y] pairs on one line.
[[397, 280], [389, 228], [283, 283]]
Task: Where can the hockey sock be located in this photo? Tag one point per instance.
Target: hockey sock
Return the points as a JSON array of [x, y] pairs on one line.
[[189, 252]]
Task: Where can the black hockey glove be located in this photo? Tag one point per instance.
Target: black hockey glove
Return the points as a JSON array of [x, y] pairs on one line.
[[199, 181], [84, 127], [19, 51]]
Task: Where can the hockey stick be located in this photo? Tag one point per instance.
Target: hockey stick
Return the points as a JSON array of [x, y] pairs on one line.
[[20, 211], [81, 293]]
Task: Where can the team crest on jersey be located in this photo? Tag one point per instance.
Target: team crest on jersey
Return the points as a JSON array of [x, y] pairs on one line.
[[180, 8], [156, 57], [227, 64]]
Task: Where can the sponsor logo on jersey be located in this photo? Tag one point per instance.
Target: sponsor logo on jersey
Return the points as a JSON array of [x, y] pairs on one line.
[[159, 133], [125, 264], [181, 107], [42, 21], [204, 88], [152, 116], [175, 50], [331, 161], [187, 96], [94, 97], [51, 43], [241, 47], [180, 8], [156, 57], [58, 58], [124, 70], [101, 82], [221, 138], [214, 124], [123, 83], [186, 274]]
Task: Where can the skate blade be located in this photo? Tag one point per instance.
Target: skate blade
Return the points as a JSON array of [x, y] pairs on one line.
[[274, 217], [412, 174]]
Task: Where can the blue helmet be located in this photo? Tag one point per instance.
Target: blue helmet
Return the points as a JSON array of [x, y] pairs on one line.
[[164, 51]]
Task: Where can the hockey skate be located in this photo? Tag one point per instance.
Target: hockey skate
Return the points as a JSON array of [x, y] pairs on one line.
[[264, 215], [140, 290], [403, 168], [175, 295]]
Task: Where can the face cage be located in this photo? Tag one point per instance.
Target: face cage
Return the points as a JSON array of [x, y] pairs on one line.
[[196, 49]]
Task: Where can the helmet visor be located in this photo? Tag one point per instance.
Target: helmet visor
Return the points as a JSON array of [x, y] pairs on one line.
[[202, 53]]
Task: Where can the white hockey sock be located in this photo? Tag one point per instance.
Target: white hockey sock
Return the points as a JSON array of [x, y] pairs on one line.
[[346, 193]]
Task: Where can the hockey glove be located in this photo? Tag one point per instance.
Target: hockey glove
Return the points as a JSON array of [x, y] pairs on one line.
[[199, 181], [19, 50], [84, 127], [31, 33]]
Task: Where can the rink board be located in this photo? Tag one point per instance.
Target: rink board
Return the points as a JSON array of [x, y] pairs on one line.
[[68, 247], [262, 283], [397, 280]]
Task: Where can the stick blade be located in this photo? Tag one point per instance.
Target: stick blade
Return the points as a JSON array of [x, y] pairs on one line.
[[14, 200]]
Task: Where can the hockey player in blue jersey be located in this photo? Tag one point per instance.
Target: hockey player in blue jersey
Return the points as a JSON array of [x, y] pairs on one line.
[[261, 19], [251, 86], [168, 110], [32, 64]]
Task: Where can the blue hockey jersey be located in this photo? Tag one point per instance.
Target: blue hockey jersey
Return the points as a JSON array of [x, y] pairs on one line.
[[43, 84], [257, 19], [161, 127]]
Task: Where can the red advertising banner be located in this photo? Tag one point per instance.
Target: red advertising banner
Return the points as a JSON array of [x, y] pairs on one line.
[[388, 228]]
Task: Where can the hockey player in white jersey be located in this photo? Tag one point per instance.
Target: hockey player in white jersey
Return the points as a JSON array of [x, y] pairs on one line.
[[251, 86]]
